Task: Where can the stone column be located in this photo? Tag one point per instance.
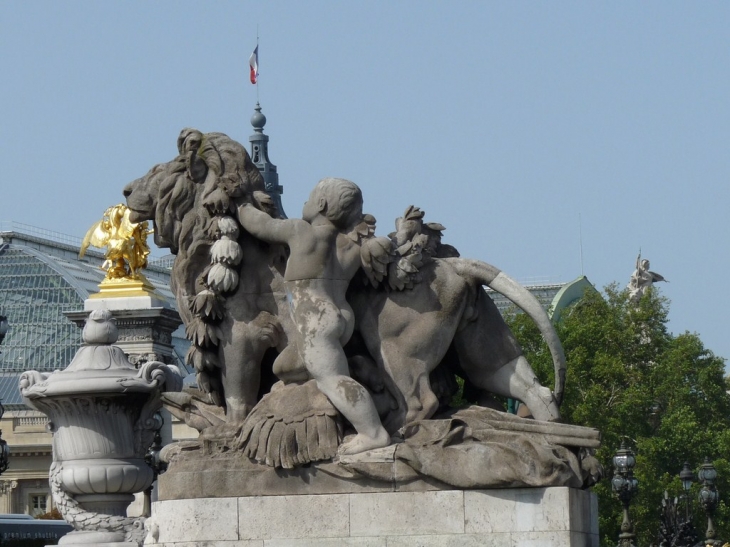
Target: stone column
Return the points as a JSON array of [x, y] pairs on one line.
[[6, 495]]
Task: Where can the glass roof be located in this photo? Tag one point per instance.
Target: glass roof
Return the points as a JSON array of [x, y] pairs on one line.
[[34, 296], [39, 281]]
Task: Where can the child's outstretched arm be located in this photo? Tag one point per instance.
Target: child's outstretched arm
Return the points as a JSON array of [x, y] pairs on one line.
[[262, 226]]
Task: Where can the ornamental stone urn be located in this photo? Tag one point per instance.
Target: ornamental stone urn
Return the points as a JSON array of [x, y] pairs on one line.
[[102, 413]]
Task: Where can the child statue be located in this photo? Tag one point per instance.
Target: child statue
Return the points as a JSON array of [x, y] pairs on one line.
[[322, 261]]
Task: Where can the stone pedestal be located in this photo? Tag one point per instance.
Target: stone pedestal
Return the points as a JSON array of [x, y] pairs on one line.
[[518, 517], [145, 324], [91, 539]]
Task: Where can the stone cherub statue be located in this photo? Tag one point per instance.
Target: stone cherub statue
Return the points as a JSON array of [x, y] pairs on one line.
[[642, 278], [125, 242], [250, 288], [322, 262]]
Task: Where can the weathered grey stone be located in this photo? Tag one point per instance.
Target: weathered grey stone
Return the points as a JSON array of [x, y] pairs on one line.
[[452, 540], [252, 543], [483, 452], [235, 310], [407, 513], [98, 544], [530, 510], [380, 356], [546, 539], [324, 256], [407, 331], [328, 542], [267, 517], [145, 324], [580, 539], [540, 516], [496, 511], [210, 520], [229, 475]]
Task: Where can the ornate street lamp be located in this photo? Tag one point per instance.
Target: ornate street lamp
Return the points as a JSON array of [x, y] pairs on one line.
[[625, 486], [687, 477], [4, 327], [4, 448], [708, 497], [152, 458]]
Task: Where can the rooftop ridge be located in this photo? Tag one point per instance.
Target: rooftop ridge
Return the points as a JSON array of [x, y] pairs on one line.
[[72, 243], [49, 235], [533, 284]]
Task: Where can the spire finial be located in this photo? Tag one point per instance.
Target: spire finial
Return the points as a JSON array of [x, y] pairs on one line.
[[260, 158], [258, 120]]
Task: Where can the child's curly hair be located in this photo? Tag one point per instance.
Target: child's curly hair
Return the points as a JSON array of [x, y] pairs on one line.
[[344, 201]]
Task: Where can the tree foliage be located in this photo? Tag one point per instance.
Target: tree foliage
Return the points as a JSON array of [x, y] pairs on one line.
[[628, 376]]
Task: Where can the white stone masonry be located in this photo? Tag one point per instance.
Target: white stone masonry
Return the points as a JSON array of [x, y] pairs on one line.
[[522, 517]]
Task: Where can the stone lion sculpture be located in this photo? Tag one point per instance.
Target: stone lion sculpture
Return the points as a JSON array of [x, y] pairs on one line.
[[422, 316], [227, 285]]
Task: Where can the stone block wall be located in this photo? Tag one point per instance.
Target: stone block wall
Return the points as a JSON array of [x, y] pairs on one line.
[[521, 517]]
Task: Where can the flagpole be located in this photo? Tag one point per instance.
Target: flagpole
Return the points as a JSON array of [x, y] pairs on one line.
[[257, 48]]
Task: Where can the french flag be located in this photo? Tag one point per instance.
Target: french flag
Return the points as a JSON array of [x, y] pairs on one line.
[[253, 63]]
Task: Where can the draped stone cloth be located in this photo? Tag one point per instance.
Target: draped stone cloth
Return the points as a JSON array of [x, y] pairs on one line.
[[482, 448], [296, 426]]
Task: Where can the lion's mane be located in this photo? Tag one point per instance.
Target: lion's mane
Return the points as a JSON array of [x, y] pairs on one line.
[[198, 191]]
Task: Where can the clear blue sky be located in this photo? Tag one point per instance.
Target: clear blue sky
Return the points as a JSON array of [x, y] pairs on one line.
[[503, 121]]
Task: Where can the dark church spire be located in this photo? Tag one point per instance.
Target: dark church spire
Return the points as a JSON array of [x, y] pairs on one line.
[[260, 157]]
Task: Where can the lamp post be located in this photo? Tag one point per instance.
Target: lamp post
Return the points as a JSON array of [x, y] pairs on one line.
[[4, 327], [708, 497], [152, 458], [625, 486], [4, 449], [687, 477]]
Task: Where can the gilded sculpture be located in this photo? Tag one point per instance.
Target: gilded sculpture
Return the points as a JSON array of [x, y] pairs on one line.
[[126, 251]]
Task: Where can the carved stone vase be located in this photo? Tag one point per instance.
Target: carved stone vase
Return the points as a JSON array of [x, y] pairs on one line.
[[102, 413]]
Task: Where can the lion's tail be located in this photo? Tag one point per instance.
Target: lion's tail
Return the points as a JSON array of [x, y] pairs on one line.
[[478, 272]]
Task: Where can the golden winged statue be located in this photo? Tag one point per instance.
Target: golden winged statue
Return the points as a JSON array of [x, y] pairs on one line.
[[125, 242]]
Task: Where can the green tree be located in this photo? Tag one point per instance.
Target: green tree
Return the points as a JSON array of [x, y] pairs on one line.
[[629, 377]]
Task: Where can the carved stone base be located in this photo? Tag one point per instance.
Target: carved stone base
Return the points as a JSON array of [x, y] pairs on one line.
[[124, 287], [558, 517], [107, 504], [145, 324], [474, 448], [97, 544], [85, 539]]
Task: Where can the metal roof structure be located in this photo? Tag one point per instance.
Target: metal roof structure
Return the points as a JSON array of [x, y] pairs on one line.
[[544, 292], [9, 392], [569, 294]]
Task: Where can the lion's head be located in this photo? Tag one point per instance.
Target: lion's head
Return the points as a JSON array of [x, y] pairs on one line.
[[211, 170]]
